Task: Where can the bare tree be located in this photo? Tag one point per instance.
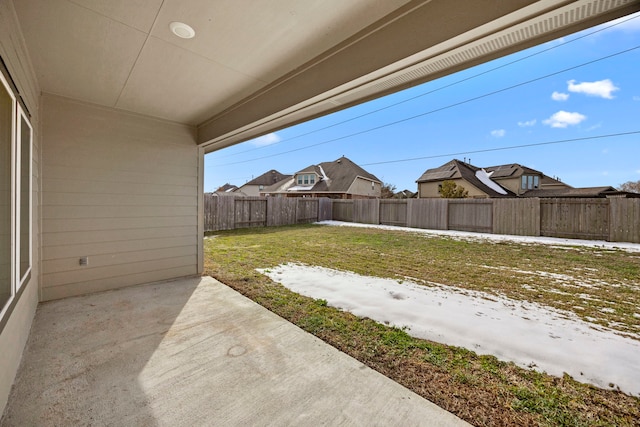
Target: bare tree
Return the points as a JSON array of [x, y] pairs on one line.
[[387, 191], [630, 186]]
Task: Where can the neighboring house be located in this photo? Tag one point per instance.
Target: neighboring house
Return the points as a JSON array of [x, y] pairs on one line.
[[475, 180], [106, 114], [340, 179], [267, 179], [404, 194], [522, 180], [512, 180], [227, 188], [591, 192]]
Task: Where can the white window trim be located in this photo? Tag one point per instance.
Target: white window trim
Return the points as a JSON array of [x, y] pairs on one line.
[[18, 173], [12, 255], [16, 283]]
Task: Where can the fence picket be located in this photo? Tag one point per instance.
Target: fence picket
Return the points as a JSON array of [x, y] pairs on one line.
[[616, 219]]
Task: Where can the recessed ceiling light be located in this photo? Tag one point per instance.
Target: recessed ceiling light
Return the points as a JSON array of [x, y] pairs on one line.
[[182, 30]]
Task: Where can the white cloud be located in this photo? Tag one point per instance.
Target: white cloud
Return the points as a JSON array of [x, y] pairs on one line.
[[562, 119], [601, 88], [559, 96], [498, 133], [264, 140], [594, 127], [636, 98], [527, 123]]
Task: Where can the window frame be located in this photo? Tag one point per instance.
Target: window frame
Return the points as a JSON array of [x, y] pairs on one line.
[[18, 145], [306, 179], [4, 309], [18, 281], [530, 182]]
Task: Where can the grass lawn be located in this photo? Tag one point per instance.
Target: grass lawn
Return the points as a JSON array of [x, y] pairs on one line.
[[601, 286]]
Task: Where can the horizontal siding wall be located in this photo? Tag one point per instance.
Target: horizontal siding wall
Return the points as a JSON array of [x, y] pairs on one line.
[[14, 334], [120, 189]]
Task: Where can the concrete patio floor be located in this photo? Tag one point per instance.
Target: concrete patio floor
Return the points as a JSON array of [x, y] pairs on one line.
[[195, 352]]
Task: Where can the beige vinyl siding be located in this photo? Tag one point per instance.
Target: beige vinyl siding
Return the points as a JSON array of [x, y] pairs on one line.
[[430, 189], [120, 189], [512, 184], [362, 187], [14, 334]]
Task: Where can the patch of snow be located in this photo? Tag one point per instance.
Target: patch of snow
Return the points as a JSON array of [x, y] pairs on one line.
[[466, 235], [562, 279], [300, 188], [324, 175], [523, 332], [485, 178], [607, 310]]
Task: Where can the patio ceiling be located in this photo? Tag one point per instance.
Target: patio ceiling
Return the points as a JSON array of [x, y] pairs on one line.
[[255, 67]]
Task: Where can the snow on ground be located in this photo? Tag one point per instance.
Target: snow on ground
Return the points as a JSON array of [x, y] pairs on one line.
[[525, 333], [465, 235]]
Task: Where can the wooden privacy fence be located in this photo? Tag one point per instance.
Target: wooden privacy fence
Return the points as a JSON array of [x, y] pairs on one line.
[[222, 212], [615, 220]]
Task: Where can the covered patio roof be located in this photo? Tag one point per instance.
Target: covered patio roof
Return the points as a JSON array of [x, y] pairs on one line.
[[252, 69]]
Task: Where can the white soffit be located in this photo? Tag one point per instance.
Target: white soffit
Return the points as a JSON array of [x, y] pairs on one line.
[[539, 22], [77, 52], [122, 54]]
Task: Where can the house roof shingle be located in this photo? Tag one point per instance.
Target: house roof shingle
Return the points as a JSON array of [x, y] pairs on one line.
[[340, 173], [268, 178], [457, 169], [573, 192]]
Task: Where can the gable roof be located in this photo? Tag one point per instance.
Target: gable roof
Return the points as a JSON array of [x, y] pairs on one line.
[[515, 170], [455, 169], [511, 171], [227, 188], [574, 192], [339, 174], [268, 178], [336, 176], [404, 194]]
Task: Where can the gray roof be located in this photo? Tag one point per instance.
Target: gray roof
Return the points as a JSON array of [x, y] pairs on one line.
[[515, 170], [341, 173], [510, 171], [227, 187], [456, 169], [268, 178], [573, 192]]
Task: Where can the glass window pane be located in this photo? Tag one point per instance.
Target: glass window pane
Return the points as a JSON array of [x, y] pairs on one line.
[[536, 181], [524, 182], [6, 122], [530, 182], [25, 197]]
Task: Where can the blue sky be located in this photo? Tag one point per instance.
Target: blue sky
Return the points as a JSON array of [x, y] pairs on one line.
[[585, 101]]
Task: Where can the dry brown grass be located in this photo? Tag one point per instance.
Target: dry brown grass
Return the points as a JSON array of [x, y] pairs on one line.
[[477, 388]]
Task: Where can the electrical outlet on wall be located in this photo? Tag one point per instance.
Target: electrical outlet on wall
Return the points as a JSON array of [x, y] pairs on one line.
[[84, 261]]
